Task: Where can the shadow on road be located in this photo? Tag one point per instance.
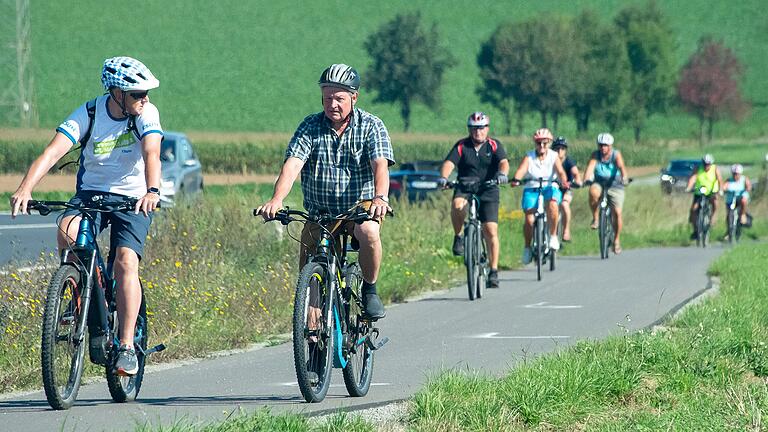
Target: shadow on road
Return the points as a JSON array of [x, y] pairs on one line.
[[229, 400]]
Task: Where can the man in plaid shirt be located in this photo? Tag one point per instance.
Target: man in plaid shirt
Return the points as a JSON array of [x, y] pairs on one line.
[[343, 154]]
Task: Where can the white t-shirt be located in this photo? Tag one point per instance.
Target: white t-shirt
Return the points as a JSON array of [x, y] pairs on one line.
[[111, 160], [540, 168]]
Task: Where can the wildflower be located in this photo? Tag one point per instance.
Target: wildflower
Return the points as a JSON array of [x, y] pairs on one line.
[[178, 264]]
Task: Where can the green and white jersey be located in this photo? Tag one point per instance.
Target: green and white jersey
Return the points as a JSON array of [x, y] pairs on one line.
[[111, 160]]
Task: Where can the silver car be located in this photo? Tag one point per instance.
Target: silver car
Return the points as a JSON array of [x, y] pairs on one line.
[[181, 169]]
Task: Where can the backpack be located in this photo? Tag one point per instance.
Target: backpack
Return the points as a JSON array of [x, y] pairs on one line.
[[90, 108], [491, 141]]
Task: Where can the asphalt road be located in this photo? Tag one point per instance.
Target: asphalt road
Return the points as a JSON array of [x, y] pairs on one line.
[[25, 237], [586, 298]]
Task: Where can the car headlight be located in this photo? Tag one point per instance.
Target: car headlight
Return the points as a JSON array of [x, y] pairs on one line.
[[666, 177]]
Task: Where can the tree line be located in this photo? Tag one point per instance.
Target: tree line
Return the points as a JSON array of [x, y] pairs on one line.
[[620, 72]]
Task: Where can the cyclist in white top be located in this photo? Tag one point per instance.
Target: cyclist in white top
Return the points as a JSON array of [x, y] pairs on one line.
[[737, 188], [542, 162], [120, 134]]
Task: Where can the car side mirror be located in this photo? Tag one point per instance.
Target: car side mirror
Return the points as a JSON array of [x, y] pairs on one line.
[[190, 163]]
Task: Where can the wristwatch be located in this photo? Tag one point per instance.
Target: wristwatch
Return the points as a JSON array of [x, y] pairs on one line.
[[383, 198], [153, 190]]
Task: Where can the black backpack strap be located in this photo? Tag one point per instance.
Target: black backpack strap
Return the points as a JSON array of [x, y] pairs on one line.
[[90, 108]]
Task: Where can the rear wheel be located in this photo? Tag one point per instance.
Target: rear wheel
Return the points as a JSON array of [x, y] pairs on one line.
[[470, 259], [358, 371], [125, 388], [62, 352], [312, 338]]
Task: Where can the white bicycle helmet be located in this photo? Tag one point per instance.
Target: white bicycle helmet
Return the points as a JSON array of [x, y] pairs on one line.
[[127, 74], [737, 169], [605, 138], [478, 119], [708, 159]]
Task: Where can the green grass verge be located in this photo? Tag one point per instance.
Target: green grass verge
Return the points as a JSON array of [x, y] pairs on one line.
[[705, 370]]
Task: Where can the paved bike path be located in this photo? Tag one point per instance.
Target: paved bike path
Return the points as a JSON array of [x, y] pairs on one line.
[[584, 298]]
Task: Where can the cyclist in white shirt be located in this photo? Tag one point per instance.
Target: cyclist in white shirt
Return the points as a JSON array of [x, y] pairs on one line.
[[542, 162], [120, 134]]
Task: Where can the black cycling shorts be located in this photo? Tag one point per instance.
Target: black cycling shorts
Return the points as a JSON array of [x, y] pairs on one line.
[[488, 210]]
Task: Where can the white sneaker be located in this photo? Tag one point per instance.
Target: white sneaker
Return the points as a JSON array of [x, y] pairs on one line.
[[527, 255], [554, 243]]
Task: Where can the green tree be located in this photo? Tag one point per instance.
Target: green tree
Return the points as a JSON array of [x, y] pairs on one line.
[[408, 64], [600, 74], [649, 44]]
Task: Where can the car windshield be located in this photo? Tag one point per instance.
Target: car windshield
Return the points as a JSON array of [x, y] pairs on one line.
[[168, 151], [681, 166]]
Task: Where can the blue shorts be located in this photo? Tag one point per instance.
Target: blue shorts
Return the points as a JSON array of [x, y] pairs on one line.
[[128, 228], [531, 195]]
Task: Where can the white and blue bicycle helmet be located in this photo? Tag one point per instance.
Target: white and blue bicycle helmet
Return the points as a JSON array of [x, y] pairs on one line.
[[127, 74]]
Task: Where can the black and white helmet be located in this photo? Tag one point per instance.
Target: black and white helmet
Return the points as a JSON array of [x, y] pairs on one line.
[[127, 73], [340, 75]]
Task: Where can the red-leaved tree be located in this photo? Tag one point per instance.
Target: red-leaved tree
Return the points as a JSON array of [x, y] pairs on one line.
[[709, 86]]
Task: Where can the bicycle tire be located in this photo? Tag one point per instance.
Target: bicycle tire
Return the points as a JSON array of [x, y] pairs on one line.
[[733, 226], [358, 371], [312, 348], [552, 258], [62, 302], [470, 259], [481, 255], [701, 224], [539, 233], [126, 388], [604, 232]]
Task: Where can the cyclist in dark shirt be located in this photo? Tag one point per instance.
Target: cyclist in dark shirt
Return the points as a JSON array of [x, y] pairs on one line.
[[478, 158], [572, 172]]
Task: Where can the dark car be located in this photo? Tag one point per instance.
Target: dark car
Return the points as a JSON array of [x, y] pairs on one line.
[[181, 169], [416, 180], [675, 176]]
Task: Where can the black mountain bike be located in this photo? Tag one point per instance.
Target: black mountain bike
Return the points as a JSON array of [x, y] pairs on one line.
[[733, 220], [330, 329], [475, 248], [540, 249], [81, 301], [703, 218], [605, 232]]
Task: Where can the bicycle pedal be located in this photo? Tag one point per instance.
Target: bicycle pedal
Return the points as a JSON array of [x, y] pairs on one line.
[[377, 345], [154, 349]]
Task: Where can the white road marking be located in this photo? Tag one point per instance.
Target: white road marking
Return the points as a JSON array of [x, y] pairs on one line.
[[27, 226], [546, 305], [495, 335]]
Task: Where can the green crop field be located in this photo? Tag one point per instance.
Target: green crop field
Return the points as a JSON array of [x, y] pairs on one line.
[[252, 66]]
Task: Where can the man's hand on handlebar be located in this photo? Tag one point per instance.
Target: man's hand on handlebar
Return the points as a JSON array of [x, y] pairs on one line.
[[502, 178], [442, 183], [269, 209], [515, 182], [379, 208]]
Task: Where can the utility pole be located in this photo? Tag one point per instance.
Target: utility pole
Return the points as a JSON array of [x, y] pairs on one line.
[[17, 106]]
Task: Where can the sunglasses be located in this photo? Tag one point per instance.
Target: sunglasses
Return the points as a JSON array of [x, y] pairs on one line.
[[477, 127], [138, 96], [543, 143]]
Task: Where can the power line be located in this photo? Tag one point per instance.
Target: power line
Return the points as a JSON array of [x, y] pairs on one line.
[[17, 107]]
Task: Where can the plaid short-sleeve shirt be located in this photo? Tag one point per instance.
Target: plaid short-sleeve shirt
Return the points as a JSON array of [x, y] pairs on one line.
[[337, 169]]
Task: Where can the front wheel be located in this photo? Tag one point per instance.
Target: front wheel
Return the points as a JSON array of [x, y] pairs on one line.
[[538, 249], [604, 232], [702, 225], [481, 256], [126, 388], [358, 371], [733, 226], [312, 338], [470, 259], [62, 351]]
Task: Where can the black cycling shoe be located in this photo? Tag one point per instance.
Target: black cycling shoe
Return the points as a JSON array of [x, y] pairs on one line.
[[458, 245], [493, 279], [694, 235], [373, 308]]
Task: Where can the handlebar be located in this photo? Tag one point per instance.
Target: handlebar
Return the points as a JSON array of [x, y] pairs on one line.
[[98, 203], [286, 216], [589, 182]]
